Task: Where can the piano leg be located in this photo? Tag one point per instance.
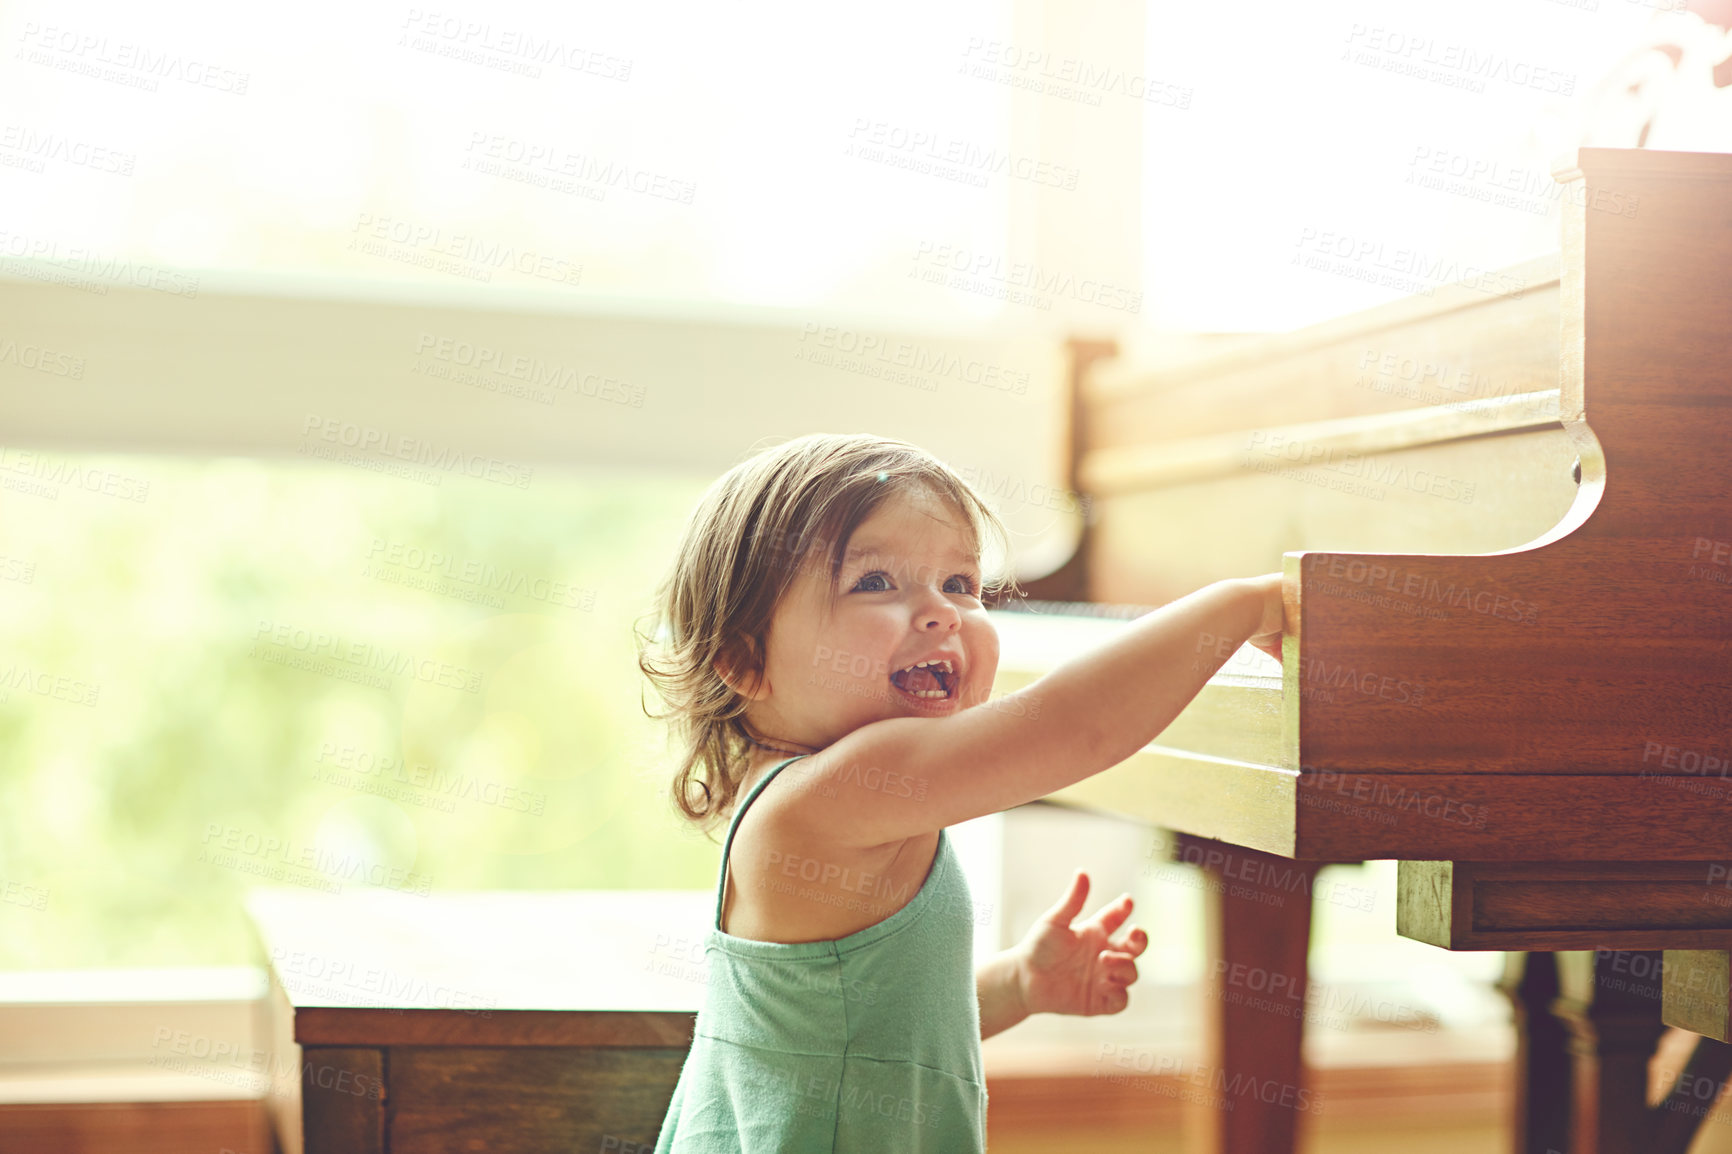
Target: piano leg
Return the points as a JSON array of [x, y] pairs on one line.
[[1542, 1067], [1609, 1004], [1259, 932]]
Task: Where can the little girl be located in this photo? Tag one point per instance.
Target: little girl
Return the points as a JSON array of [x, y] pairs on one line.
[[823, 646]]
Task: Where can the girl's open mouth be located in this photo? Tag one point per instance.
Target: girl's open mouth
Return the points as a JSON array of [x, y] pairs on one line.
[[929, 680]]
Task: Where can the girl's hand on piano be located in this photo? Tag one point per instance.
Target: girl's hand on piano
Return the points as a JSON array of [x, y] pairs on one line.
[[1267, 636], [1080, 970]]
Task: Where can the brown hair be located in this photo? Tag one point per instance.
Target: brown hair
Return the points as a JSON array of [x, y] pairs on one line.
[[752, 532]]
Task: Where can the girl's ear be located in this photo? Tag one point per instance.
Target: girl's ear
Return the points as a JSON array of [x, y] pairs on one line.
[[729, 663]]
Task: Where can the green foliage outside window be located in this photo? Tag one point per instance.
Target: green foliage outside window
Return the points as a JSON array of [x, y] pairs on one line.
[[233, 672]]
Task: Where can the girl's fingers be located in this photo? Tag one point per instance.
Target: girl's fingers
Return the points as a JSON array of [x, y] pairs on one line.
[[1112, 917], [1122, 971], [1071, 904]]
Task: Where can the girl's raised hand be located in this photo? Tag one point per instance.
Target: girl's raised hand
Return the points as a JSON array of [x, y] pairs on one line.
[[1268, 634], [1080, 969]]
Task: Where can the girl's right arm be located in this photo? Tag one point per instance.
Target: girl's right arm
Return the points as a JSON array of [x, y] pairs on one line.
[[905, 776]]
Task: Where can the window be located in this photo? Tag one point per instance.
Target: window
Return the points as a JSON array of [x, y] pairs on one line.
[[1337, 155], [231, 672], [688, 156]]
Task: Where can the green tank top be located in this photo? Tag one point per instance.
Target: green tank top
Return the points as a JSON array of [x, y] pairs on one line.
[[865, 1044]]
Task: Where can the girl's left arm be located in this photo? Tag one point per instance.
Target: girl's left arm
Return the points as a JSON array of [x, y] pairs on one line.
[[998, 986]]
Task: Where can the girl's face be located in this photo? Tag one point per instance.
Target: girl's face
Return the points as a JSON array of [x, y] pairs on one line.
[[909, 593]]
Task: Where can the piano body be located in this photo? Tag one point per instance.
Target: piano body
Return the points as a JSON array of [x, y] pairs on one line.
[[1504, 516]]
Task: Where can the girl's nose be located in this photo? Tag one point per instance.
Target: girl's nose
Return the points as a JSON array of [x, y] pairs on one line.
[[936, 612]]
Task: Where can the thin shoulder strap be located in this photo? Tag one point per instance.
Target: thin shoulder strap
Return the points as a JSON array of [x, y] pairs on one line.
[[739, 812]]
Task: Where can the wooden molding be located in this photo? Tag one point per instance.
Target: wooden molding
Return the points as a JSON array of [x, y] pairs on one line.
[[1564, 905]]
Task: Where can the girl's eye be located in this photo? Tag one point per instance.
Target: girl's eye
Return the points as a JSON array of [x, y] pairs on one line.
[[962, 583]]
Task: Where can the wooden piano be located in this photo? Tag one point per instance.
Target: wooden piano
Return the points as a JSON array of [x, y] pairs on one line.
[[1504, 515]]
